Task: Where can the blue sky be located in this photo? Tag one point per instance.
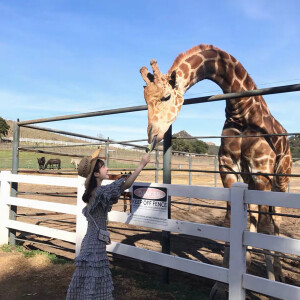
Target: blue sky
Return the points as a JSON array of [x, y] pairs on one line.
[[67, 57]]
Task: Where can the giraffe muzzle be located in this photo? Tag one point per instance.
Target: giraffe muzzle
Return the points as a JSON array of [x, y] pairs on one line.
[[152, 145]]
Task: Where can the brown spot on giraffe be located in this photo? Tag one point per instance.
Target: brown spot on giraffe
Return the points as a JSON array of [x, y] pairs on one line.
[[236, 86], [192, 76], [210, 67], [248, 83], [221, 65], [239, 71], [210, 54], [172, 109], [194, 61], [155, 119], [184, 68]]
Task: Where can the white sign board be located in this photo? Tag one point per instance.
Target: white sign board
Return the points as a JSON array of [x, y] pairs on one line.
[[149, 204]]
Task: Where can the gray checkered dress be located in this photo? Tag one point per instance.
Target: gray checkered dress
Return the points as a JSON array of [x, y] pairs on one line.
[[92, 278]]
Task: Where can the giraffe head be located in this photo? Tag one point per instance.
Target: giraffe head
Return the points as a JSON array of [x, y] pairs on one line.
[[163, 99]]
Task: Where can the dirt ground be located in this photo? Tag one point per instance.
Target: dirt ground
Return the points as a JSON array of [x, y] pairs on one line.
[[36, 279]]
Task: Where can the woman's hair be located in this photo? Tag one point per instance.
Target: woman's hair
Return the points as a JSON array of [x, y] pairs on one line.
[[93, 183]]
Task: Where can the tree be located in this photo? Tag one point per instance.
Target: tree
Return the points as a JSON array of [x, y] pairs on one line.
[[4, 127], [181, 142], [191, 146], [198, 146], [180, 145], [295, 146]]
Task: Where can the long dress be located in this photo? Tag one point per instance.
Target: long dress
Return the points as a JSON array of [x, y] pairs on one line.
[[92, 278]]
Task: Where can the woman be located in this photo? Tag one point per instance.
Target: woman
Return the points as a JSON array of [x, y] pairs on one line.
[[92, 277]]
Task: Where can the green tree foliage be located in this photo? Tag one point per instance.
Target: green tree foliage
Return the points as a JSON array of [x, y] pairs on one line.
[[295, 146], [191, 146], [4, 127]]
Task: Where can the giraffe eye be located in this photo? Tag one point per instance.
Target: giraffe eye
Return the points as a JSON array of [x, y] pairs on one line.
[[166, 98]]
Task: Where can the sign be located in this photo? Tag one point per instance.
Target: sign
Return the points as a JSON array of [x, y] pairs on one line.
[[149, 204]]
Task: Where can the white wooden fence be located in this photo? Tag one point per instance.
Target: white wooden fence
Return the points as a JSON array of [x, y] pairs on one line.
[[238, 236]]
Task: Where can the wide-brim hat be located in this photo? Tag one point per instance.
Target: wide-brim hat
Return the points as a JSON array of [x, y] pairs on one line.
[[87, 165]]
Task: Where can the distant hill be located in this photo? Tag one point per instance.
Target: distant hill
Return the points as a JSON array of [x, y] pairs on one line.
[[212, 149], [182, 134]]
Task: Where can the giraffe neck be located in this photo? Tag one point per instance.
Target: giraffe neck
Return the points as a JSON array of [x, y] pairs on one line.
[[208, 62]]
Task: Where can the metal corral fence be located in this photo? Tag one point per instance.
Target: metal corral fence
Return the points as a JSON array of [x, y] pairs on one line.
[[187, 168], [237, 235]]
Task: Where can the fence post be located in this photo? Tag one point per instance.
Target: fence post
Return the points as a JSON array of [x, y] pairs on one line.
[[237, 256], [14, 185], [166, 241], [216, 169], [107, 152], [156, 164], [81, 223], [4, 208], [190, 176]]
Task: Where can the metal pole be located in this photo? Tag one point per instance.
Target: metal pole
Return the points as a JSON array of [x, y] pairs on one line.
[[265, 91], [190, 177], [156, 164], [14, 185], [107, 152], [166, 245], [79, 135], [216, 166]]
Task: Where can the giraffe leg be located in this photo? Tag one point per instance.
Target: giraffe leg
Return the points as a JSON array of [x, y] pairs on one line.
[[253, 228], [220, 290], [277, 262], [266, 226], [280, 184]]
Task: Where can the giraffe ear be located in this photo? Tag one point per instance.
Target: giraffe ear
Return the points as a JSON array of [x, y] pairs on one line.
[[172, 81]]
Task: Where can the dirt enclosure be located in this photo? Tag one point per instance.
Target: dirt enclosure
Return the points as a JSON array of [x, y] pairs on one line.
[[200, 249]]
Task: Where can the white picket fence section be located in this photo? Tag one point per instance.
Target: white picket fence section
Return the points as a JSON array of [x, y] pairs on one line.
[[238, 236]]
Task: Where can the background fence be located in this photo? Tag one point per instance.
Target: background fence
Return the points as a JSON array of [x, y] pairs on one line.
[[238, 236]]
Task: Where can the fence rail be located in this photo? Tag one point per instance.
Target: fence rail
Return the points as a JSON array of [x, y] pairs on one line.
[[237, 235], [42, 141]]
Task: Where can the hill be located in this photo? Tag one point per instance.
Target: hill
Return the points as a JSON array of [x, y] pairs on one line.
[[182, 134], [203, 147]]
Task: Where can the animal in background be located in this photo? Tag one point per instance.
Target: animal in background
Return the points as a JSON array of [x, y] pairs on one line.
[[52, 163], [41, 162], [75, 162]]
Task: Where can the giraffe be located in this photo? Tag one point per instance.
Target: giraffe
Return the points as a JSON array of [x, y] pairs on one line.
[[244, 116]]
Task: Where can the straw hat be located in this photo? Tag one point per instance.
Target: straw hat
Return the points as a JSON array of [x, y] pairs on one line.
[[87, 165]]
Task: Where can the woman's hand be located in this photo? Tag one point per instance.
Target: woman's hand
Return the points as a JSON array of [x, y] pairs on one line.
[[145, 159]]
